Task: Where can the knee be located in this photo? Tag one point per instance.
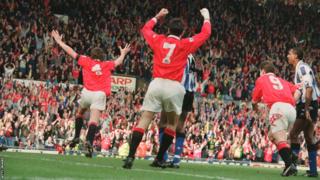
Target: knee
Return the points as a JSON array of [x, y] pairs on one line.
[[278, 137], [171, 124], [180, 129], [79, 115], [147, 115], [81, 112], [309, 137], [162, 124], [142, 125], [309, 140], [293, 135], [270, 136]]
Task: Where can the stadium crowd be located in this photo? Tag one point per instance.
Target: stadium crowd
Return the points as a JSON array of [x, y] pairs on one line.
[[41, 115], [244, 34]]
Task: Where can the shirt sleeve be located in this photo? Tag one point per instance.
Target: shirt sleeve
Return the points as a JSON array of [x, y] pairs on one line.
[[149, 35], [257, 92], [83, 61], [197, 40], [306, 76], [110, 65], [292, 87]]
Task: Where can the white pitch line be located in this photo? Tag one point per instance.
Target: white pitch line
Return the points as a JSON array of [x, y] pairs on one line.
[[184, 174], [134, 169], [42, 178]]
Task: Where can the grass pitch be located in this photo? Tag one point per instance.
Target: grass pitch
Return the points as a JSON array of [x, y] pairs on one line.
[[43, 166]]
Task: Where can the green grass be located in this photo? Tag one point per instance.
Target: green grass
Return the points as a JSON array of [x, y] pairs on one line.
[[44, 166]]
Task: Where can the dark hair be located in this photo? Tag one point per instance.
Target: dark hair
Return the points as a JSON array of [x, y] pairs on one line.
[[176, 26], [298, 52], [268, 67], [97, 53]]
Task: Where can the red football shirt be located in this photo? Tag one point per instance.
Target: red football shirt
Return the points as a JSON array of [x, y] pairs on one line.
[[96, 74], [171, 52], [271, 89]]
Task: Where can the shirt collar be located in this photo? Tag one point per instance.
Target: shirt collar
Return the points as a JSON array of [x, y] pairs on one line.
[[298, 64], [270, 73], [173, 36]]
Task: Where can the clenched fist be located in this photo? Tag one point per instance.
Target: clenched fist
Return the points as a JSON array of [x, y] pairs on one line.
[[163, 12], [205, 13]]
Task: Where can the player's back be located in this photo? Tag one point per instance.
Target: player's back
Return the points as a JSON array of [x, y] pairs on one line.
[[170, 57], [96, 74], [274, 89], [171, 52]]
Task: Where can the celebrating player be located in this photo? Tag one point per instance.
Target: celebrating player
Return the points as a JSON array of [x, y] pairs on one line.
[[165, 92], [97, 85], [278, 95]]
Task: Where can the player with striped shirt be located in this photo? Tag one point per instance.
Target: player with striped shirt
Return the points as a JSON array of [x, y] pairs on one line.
[[189, 83], [307, 108]]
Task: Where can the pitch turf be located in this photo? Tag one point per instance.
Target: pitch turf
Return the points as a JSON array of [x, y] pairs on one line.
[[44, 166]]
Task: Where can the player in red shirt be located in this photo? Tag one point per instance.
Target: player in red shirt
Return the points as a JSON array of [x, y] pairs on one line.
[[277, 94], [165, 92], [97, 85]]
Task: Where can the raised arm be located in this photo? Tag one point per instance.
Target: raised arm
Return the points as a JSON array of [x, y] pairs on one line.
[[123, 52], [197, 40], [58, 38], [147, 31]]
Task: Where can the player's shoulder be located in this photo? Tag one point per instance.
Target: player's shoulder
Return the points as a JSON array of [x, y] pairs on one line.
[[159, 36], [188, 40], [263, 77], [260, 80], [84, 60], [304, 68], [107, 62], [85, 57]]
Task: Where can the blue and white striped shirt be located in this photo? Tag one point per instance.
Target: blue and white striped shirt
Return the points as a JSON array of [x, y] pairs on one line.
[[189, 76], [304, 77]]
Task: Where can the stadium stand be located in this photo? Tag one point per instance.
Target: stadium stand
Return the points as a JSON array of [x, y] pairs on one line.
[[222, 126]]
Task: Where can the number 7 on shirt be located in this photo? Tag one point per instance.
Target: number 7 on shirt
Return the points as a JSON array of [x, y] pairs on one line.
[[171, 48]]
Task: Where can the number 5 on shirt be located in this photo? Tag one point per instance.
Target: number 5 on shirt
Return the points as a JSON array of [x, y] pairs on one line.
[[171, 48]]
